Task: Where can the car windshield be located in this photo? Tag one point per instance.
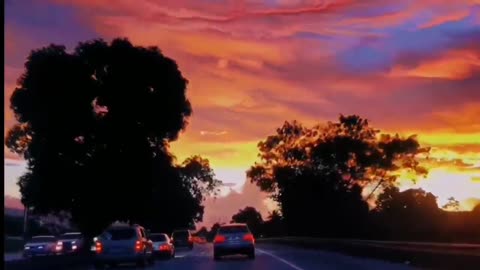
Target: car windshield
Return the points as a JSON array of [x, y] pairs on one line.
[[69, 236], [42, 239], [180, 234], [158, 237], [233, 229], [120, 234]]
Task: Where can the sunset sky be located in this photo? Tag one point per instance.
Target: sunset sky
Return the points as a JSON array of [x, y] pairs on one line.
[[409, 66]]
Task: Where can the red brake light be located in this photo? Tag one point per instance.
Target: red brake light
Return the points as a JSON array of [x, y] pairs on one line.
[[138, 246], [164, 247], [98, 247], [249, 238], [219, 239]]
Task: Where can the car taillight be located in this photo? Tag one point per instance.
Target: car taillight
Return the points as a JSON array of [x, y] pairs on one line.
[[219, 239], [59, 246], [98, 247], [164, 247], [249, 238], [138, 246]]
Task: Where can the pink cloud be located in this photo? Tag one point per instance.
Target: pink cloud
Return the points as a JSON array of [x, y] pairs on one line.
[[223, 208], [13, 202]]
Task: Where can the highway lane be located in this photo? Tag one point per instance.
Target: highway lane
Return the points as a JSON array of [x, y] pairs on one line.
[[268, 256], [273, 257]]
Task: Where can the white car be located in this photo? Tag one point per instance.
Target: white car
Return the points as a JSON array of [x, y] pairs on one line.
[[162, 245], [70, 243]]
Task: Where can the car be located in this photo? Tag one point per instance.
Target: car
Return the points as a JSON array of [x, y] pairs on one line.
[[70, 243], [234, 238], [162, 245], [41, 245], [123, 243], [182, 238]]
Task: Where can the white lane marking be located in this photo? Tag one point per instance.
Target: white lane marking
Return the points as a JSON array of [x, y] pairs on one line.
[[280, 259]]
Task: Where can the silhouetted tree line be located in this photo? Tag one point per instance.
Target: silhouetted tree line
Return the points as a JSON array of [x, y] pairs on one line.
[[94, 126], [272, 226], [320, 176], [13, 226]]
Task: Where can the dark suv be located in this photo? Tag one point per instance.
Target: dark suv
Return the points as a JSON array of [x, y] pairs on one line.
[[182, 238]]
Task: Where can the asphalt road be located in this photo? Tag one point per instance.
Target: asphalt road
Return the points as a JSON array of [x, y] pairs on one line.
[[268, 256]]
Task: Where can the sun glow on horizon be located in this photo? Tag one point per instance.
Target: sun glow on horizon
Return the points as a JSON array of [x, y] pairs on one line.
[[445, 183]]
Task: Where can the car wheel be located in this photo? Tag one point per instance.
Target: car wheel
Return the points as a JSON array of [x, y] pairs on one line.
[[251, 255], [98, 266], [216, 256], [142, 262]]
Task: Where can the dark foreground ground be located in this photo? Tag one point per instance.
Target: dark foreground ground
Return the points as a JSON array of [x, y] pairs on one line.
[[278, 256]]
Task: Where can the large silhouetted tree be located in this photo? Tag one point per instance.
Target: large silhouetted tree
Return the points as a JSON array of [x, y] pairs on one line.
[[317, 174], [95, 125], [251, 217]]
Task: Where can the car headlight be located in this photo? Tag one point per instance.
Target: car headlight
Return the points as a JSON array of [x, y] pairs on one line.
[[27, 248]]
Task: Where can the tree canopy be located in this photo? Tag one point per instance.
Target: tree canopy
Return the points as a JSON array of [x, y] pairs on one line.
[[318, 174], [94, 125], [251, 217]]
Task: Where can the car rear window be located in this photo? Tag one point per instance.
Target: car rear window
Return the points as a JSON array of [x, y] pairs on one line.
[[180, 234], [71, 236], [42, 239], [158, 237], [121, 234], [233, 229]]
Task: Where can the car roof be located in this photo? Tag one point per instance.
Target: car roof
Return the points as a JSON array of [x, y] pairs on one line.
[[153, 234], [42, 236], [70, 233], [123, 226]]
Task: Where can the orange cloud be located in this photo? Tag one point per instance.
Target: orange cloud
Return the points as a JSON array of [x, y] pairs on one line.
[[462, 119], [454, 65]]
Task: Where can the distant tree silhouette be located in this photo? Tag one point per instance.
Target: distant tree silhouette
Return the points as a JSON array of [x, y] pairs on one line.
[[317, 174], [202, 232], [476, 209], [274, 225], [213, 232], [452, 204], [95, 126], [412, 214], [251, 217]]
